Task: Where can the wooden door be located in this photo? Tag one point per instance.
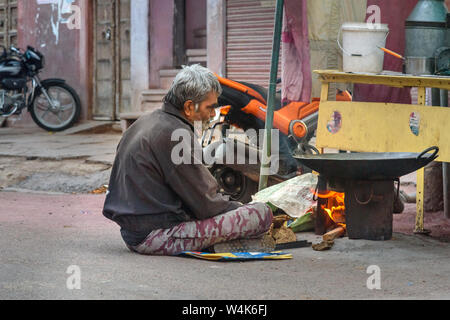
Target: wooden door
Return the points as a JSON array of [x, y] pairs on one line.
[[8, 22], [111, 59]]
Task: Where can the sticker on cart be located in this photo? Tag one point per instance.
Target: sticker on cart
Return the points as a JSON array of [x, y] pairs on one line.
[[335, 123], [414, 123]]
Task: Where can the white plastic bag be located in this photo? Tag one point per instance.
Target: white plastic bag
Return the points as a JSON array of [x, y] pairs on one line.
[[293, 196]]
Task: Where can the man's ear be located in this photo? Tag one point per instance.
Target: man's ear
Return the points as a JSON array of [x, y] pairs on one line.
[[189, 108]]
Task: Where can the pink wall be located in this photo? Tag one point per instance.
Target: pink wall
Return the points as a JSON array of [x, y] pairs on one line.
[[195, 19], [161, 38], [67, 52]]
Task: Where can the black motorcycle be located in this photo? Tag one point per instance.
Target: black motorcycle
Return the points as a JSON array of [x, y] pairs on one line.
[[53, 104]]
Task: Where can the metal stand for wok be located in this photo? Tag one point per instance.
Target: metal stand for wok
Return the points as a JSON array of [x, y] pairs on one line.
[[386, 127]]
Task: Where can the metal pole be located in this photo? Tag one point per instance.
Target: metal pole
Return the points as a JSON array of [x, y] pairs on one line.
[[445, 167], [267, 146], [445, 175]]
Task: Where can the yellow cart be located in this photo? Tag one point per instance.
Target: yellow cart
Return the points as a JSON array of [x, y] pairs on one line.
[[385, 127]]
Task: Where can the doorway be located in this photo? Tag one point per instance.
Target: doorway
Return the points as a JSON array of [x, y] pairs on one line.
[[112, 92]]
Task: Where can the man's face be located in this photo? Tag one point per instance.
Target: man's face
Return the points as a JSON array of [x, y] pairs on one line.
[[206, 109]]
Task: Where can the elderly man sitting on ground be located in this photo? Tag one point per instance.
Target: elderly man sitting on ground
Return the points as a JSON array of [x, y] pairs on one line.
[[165, 206]]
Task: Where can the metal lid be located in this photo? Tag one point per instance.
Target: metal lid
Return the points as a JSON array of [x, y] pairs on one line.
[[432, 12]]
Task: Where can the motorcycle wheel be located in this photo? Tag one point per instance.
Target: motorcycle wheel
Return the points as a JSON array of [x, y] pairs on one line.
[[66, 110], [234, 184]]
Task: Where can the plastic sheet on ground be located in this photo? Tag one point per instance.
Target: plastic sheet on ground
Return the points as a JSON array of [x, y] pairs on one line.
[[237, 256], [304, 223], [293, 196]]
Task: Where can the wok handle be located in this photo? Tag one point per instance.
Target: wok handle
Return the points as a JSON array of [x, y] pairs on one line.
[[312, 148], [367, 201], [305, 147], [436, 150]]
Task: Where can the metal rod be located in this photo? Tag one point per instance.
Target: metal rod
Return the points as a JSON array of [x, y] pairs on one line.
[[444, 97], [267, 146], [322, 218], [445, 171]]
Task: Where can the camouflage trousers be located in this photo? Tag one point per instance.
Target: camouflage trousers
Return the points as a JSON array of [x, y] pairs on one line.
[[248, 221]]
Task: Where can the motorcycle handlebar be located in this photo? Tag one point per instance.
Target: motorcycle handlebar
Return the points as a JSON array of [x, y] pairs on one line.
[[15, 50]]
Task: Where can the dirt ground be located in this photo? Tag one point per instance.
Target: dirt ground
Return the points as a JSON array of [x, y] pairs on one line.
[[67, 176], [433, 221]]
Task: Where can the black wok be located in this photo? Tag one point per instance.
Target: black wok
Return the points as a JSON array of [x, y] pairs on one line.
[[368, 165]]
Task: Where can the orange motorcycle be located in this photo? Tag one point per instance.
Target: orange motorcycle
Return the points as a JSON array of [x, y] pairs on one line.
[[239, 123]]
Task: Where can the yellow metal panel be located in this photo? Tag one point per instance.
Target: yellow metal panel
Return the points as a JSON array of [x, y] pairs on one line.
[[419, 201], [421, 93], [324, 92], [392, 80], [384, 127], [420, 183]]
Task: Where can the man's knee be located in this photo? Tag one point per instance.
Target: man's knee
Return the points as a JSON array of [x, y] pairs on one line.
[[264, 212]]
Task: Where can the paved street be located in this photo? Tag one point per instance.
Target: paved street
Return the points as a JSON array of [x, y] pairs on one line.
[[43, 235]]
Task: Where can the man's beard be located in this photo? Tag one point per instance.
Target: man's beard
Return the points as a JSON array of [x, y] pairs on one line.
[[201, 126], [205, 125]]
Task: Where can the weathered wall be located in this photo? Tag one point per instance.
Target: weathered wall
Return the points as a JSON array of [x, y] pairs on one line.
[[216, 33], [195, 19], [66, 50], [161, 38], [139, 55]]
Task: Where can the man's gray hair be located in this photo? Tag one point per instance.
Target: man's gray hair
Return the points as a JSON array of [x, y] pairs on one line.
[[192, 83]]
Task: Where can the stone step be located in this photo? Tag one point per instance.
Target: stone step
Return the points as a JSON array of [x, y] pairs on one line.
[[128, 118], [200, 38], [149, 106], [195, 60], [151, 99], [166, 77], [153, 95], [196, 56], [168, 72], [130, 115], [195, 52]]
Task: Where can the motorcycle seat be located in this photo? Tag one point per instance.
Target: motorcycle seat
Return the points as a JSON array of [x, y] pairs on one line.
[[264, 93], [239, 99]]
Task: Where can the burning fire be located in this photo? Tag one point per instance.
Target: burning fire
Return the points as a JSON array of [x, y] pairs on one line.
[[335, 206]]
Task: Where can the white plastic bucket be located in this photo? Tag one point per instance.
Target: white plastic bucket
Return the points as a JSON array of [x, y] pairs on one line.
[[360, 46]]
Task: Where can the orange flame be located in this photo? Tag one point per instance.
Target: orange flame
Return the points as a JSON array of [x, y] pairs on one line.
[[335, 207]]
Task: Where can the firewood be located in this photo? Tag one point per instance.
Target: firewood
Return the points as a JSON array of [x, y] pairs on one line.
[[333, 234], [284, 235], [279, 220], [322, 246]]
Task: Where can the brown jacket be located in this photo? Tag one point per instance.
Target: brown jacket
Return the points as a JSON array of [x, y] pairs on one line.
[[147, 191]]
